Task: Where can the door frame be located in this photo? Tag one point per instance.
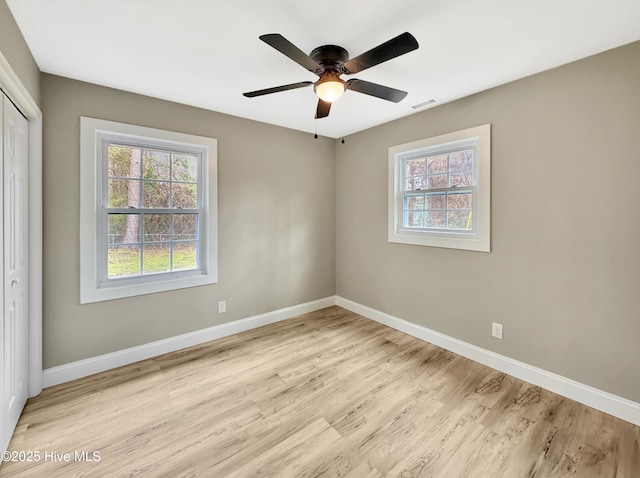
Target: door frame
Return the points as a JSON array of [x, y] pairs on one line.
[[16, 91]]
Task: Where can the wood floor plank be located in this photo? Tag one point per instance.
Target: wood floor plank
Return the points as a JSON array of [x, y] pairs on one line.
[[296, 455], [328, 393]]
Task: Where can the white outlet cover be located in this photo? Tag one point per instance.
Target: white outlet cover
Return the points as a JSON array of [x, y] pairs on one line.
[[496, 330]]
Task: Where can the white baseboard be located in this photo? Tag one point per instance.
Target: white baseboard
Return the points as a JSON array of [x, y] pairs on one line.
[[598, 399], [593, 397], [100, 363]]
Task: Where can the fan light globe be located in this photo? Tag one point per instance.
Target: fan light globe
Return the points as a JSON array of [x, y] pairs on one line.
[[329, 88]]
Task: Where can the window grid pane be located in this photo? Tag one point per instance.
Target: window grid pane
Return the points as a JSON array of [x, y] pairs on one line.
[[123, 261], [439, 171], [150, 178], [185, 256], [140, 243], [156, 258], [439, 210]]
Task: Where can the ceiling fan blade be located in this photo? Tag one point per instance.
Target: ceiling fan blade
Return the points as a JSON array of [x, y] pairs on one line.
[[393, 48], [374, 89], [323, 109], [276, 89], [287, 48]]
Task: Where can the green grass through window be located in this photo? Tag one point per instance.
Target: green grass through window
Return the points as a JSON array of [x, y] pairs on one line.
[[125, 261]]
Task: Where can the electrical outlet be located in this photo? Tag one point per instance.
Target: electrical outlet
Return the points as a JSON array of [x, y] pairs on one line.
[[222, 306], [496, 330]]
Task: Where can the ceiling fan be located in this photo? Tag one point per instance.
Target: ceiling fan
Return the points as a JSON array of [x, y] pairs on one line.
[[331, 61]]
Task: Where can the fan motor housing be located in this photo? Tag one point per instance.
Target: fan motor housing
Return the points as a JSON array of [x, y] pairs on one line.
[[330, 57]]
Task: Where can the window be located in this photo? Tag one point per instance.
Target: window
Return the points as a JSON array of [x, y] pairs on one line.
[[439, 191], [148, 214]]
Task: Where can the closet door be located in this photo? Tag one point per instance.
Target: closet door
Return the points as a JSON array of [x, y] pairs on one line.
[[15, 266]]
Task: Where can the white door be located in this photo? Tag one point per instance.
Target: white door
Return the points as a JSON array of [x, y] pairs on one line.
[[15, 266]]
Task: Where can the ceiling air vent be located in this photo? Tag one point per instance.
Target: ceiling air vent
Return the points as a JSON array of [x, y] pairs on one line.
[[429, 102]]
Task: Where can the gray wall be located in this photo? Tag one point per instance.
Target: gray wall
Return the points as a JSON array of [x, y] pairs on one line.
[[17, 53], [564, 272], [276, 192]]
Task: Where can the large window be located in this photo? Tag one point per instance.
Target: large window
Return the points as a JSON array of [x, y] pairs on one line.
[[148, 211], [439, 191]]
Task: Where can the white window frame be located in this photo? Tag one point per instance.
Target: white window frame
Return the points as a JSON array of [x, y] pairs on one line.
[[94, 286], [478, 238]]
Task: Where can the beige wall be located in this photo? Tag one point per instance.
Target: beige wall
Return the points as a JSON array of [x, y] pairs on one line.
[[17, 53], [276, 192], [564, 272]]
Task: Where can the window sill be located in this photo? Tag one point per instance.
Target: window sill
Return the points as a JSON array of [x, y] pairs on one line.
[[121, 290], [447, 240]]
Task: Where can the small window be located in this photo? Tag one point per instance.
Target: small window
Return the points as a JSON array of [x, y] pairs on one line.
[[148, 212], [439, 191]]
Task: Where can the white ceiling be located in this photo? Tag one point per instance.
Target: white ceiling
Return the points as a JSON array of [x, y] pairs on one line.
[[205, 53]]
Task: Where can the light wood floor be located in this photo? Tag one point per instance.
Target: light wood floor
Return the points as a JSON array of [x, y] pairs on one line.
[[325, 394]]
